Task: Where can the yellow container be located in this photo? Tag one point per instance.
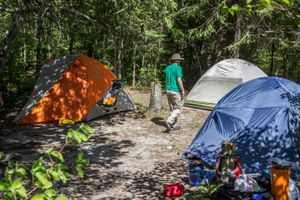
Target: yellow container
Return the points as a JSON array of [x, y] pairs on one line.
[[280, 183]]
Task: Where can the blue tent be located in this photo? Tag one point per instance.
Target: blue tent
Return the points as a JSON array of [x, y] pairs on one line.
[[261, 117]]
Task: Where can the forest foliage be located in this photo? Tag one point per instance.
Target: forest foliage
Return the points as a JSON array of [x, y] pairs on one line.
[[136, 38]]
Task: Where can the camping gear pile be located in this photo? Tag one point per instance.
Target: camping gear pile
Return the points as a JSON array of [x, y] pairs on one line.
[[273, 183], [251, 137]]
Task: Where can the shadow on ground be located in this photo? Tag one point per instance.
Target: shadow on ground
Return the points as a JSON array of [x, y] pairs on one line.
[[26, 143], [158, 121], [106, 177], [139, 185]]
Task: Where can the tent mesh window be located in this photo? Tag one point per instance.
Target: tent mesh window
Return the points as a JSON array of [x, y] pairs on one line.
[[110, 99]]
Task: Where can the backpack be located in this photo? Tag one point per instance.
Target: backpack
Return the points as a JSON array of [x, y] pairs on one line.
[[228, 164]]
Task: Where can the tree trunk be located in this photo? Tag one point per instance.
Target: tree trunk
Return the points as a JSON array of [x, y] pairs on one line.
[[155, 98], [198, 59], [237, 36], [71, 45], [119, 58], [24, 54], [134, 66], [204, 58], [9, 40], [272, 59], [157, 58], [217, 52], [284, 66], [39, 33]]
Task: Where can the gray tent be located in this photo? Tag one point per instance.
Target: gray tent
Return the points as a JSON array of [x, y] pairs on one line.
[[220, 79]]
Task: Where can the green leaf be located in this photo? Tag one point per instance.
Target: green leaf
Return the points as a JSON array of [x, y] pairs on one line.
[[71, 133], [60, 173], [286, 1], [21, 170], [49, 194], [76, 135], [22, 192], [57, 155], [80, 160], [202, 190], [224, 9], [87, 130], [54, 174], [265, 3], [80, 164], [154, 34], [231, 11], [38, 166], [248, 1], [82, 137], [38, 197], [9, 196], [2, 154], [48, 151], [4, 186], [79, 157], [62, 197], [236, 9], [79, 170], [63, 177], [248, 9], [10, 171], [16, 184], [41, 177]]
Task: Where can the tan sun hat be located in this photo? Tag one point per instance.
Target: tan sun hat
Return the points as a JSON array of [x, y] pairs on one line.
[[176, 56]]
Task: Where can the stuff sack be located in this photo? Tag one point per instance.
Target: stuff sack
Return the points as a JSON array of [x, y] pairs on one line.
[[174, 190], [228, 164]]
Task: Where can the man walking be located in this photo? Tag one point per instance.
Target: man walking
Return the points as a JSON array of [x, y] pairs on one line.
[[174, 90]]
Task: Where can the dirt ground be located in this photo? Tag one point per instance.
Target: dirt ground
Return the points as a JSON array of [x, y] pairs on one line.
[[131, 158]]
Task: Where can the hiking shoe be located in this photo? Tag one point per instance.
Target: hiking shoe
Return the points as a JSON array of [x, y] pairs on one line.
[[175, 128], [168, 126]]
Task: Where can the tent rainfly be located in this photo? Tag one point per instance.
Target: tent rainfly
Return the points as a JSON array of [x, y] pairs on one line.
[[261, 117], [70, 88], [218, 80]]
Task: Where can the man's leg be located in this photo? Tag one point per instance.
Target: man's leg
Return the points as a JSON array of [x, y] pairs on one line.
[[177, 105], [171, 108], [170, 102]]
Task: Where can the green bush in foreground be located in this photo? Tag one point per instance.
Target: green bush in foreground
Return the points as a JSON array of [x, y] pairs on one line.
[[37, 182]]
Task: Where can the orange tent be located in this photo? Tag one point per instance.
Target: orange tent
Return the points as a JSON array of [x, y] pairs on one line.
[[69, 88]]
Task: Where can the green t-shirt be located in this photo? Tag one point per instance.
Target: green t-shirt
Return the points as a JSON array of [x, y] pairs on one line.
[[172, 72]]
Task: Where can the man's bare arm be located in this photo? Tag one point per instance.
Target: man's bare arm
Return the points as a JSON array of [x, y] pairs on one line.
[[180, 83]]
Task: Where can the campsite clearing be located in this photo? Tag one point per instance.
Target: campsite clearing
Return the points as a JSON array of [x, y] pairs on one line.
[[130, 159]]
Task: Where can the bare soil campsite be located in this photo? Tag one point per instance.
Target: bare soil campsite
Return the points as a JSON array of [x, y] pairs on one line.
[[131, 157]]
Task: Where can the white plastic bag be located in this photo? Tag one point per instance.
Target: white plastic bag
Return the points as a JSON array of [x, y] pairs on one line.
[[293, 191], [244, 183]]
